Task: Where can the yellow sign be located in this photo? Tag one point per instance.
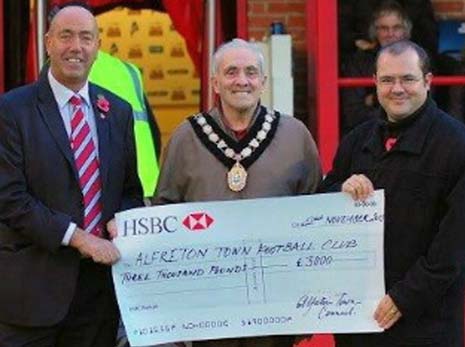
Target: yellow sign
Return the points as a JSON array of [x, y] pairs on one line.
[[148, 39]]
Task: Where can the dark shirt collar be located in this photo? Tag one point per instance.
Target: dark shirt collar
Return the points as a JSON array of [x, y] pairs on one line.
[[394, 129], [411, 132]]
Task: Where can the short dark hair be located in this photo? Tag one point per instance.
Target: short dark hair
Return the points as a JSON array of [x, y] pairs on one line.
[[399, 47]]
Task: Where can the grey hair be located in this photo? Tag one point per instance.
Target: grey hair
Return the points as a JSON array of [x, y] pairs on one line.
[[234, 44], [387, 8]]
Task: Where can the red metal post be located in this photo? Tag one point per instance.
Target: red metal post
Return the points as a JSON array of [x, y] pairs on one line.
[[242, 22], [323, 75], [2, 51]]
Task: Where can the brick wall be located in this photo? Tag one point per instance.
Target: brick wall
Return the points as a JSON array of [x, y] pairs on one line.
[[449, 9], [292, 14]]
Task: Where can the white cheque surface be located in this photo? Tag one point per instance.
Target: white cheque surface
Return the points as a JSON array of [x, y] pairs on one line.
[[293, 265]]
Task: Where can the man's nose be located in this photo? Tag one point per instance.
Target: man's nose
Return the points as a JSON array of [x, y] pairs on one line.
[[241, 78], [391, 31], [397, 86], [75, 43]]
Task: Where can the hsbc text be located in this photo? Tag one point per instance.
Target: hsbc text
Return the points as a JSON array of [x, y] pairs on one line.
[[150, 225]]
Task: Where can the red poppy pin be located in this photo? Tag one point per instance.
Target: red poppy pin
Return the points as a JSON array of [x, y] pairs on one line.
[[103, 105]]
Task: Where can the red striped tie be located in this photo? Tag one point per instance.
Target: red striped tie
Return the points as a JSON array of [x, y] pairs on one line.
[[85, 157]]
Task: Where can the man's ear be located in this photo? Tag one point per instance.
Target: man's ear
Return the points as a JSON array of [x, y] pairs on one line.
[[47, 41], [428, 80], [214, 82], [264, 79]]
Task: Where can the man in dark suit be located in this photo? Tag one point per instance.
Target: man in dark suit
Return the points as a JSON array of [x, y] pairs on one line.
[[67, 164]]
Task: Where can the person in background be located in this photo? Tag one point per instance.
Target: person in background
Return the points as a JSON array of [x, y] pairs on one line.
[[125, 80], [354, 17], [416, 153], [67, 164], [238, 150], [389, 23]]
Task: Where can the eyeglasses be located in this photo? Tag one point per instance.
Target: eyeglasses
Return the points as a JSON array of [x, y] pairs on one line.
[[405, 81], [385, 28]]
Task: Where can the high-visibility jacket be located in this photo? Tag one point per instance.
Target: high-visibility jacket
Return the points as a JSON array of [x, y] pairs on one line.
[[125, 80]]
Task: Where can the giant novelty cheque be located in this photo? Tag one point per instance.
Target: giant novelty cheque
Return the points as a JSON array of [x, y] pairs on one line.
[[291, 265]]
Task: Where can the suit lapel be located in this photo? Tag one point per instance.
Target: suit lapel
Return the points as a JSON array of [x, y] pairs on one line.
[[51, 115], [103, 132]]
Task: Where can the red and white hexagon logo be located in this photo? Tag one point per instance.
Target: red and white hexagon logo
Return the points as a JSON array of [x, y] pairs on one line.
[[198, 221]]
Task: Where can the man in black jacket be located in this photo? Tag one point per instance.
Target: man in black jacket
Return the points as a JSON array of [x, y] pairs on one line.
[[416, 153]]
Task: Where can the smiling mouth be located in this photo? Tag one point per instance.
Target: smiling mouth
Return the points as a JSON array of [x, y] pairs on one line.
[[74, 60], [399, 102]]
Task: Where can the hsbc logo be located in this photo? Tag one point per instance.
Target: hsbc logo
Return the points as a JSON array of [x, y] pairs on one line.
[[195, 222], [198, 221]]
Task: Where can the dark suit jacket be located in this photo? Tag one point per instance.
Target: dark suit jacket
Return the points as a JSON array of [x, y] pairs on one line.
[[40, 196]]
